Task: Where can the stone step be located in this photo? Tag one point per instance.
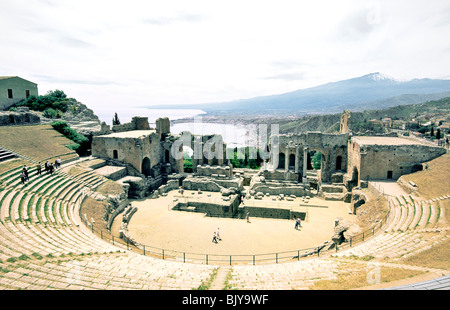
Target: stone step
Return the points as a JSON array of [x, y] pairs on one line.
[[417, 215], [333, 196], [112, 172], [332, 188], [6, 156], [113, 271]]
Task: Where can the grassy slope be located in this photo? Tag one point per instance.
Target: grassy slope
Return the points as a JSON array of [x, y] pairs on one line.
[[39, 142], [434, 181]]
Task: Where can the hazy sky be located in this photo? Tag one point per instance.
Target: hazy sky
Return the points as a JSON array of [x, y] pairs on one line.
[[107, 53]]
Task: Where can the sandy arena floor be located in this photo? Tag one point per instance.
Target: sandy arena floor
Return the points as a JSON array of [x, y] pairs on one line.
[[155, 225]]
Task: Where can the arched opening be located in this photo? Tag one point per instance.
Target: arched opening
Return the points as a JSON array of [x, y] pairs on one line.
[[417, 167], [314, 160], [281, 161], [291, 161], [214, 161], [339, 163], [188, 153], [146, 166], [115, 154]]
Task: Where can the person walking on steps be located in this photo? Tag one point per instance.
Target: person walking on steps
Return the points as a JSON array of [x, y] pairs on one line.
[[22, 177]]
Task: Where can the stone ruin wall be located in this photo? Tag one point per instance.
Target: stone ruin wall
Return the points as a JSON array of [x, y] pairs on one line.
[[19, 118], [376, 160], [331, 146], [214, 171], [136, 123], [210, 175]]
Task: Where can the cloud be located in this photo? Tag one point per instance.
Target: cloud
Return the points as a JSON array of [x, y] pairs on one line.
[[60, 80], [204, 51], [73, 42], [179, 18]]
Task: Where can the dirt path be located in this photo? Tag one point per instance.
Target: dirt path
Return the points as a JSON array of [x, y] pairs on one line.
[[391, 188]]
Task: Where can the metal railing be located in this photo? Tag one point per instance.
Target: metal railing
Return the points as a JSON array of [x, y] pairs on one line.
[[250, 259]]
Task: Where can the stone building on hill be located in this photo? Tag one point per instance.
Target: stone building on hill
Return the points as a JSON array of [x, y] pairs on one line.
[[14, 89]]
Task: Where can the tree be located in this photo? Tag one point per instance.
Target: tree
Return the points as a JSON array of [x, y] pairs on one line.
[[56, 94], [422, 129], [438, 133], [317, 160], [187, 164], [54, 99], [432, 132], [116, 120], [245, 158]]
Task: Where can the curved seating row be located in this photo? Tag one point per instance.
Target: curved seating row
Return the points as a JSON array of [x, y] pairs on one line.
[[406, 233], [40, 219], [38, 216], [403, 235]]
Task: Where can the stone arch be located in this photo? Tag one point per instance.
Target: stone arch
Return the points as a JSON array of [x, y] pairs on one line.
[[146, 170], [281, 161], [312, 154], [188, 159], [292, 161]]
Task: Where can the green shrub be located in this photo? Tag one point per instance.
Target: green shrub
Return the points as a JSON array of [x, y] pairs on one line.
[[52, 113], [245, 158], [188, 165], [73, 146], [82, 143], [56, 100]]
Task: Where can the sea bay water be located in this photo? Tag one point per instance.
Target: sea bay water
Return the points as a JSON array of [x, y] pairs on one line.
[[234, 135]]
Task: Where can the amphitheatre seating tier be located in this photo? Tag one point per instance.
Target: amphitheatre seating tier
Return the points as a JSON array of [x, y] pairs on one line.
[[42, 209], [116, 271], [41, 218], [6, 154]]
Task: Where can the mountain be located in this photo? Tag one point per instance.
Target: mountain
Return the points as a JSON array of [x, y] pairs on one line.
[[426, 110], [353, 94]]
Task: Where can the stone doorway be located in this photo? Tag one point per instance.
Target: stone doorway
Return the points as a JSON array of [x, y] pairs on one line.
[[146, 166]]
